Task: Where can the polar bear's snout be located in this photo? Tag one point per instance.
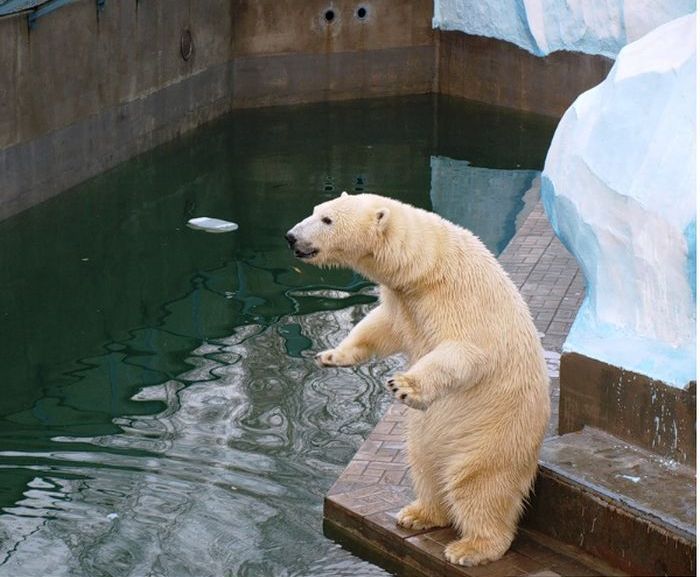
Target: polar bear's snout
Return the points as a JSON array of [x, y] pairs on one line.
[[302, 248]]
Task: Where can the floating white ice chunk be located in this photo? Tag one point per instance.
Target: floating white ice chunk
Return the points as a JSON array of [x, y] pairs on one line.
[[211, 224], [619, 188], [113, 516]]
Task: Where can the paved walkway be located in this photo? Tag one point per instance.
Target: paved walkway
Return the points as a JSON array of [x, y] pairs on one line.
[[553, 287], [376, 484], [547, 276]]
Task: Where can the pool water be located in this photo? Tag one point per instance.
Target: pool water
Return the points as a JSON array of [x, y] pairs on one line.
[[160, 411]]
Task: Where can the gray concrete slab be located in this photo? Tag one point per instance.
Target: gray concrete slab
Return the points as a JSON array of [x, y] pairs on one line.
[[627, 474]]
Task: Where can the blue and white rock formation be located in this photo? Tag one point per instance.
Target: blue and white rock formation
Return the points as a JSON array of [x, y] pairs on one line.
[[544, 26], [619, 187]]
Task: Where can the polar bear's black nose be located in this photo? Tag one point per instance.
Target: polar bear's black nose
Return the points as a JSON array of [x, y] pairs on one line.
[[291, 239]]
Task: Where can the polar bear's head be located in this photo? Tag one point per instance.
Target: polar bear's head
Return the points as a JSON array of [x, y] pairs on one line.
[[342, 231]]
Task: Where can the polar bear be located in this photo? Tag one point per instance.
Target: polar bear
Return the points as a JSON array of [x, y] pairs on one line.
[[477, 382]]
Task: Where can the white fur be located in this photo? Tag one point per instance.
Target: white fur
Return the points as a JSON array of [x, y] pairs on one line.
[[477, 375]]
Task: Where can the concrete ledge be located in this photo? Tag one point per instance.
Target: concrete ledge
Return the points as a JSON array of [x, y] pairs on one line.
[[376, 537], [633, 407], [618, 502]]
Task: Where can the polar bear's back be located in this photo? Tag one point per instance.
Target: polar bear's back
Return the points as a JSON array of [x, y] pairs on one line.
[[465, 292]]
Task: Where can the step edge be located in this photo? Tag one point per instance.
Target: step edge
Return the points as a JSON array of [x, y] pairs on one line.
[[633, 508], [561, 548]]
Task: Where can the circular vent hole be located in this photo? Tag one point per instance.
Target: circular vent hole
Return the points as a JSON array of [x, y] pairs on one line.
[[329, 15], [362, 13]]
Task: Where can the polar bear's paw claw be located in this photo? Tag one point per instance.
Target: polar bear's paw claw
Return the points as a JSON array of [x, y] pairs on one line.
[[332, 358], [405, 389], [415, 516], [470, 553]]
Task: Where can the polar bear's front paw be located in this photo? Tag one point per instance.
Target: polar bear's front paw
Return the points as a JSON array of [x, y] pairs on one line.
[[416, 516], [332, 358], [405, 389]]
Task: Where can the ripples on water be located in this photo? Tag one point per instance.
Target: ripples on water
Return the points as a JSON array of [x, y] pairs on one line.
[[227, 478], [162, 414]]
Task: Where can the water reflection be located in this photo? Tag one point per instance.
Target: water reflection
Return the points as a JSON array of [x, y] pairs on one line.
[[467, 194], [229, 476], [160, 414]]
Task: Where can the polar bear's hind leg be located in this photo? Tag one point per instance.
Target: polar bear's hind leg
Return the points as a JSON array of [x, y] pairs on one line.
[[486, 508]]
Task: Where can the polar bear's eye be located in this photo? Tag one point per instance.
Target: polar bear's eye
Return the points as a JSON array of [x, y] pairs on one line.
[[326, 220]]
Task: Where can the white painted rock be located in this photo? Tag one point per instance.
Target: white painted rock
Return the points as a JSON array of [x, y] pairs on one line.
[[215, 225], [544, 26], [619, 188]]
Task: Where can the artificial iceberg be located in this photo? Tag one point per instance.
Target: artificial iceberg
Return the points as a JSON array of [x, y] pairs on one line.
[[619, 188], [544, 26]]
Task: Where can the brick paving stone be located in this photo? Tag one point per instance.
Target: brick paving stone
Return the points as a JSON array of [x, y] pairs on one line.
[[434, 550], [374, 467], [384, 438], [384, 427], [393, 443], [393, 477], [387, 520], [443, 536], [362, 479], [375, 457], [356, 467]]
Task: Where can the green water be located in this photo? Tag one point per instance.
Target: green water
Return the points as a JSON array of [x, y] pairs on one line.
[[160, 414]]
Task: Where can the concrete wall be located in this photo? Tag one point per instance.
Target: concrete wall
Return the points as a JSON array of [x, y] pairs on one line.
[[87, 89], [285, 55], [498, 72]]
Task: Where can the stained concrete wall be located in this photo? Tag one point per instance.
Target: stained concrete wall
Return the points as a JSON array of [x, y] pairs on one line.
[[85, 89], [88, 88], [288, 52], [501, 73]]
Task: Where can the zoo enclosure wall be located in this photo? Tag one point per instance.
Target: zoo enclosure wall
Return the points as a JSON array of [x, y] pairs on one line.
[[87, 84]]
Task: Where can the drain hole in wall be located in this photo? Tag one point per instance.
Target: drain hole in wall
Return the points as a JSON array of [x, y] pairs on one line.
[[361, 13], [329, 15], [186, 44]]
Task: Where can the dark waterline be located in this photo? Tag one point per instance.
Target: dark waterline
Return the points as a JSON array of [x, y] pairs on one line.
[[160, 414]]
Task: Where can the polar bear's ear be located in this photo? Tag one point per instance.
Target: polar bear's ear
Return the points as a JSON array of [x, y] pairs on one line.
[[342, 194], [382, 218]]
